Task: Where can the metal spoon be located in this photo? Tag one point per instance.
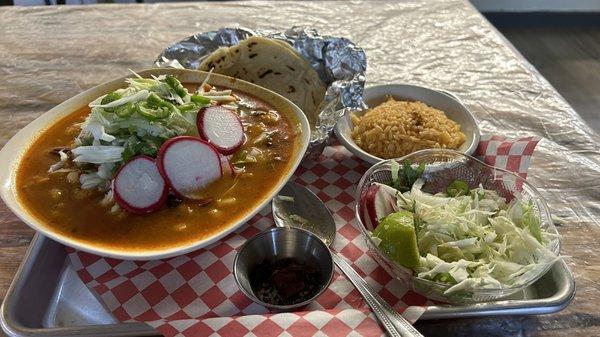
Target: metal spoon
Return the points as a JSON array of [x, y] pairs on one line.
[[297, 206]]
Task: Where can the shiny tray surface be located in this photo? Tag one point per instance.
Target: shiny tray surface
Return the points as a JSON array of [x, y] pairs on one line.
[[47, 298]]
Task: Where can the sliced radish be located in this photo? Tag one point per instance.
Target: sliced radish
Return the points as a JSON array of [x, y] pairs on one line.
[[188, 164], [226, 166], [138, 186], [362, 209], [221, 127], [377, 202]]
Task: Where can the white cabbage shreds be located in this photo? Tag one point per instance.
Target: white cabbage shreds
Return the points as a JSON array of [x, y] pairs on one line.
[[138, 96], [138, 187], [97, 154]]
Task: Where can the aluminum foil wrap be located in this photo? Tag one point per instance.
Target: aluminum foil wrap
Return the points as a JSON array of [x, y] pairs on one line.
[[341, 65]]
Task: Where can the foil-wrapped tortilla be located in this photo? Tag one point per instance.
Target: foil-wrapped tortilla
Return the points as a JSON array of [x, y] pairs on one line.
[[341, 65], [275, 65]]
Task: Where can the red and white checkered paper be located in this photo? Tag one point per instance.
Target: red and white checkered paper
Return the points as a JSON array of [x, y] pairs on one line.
[[510, 154], [196, 295]]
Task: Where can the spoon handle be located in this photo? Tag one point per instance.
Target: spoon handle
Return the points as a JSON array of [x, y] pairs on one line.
[[394, 323]]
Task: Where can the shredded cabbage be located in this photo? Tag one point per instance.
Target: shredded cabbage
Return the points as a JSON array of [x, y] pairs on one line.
[[97, 154], [477, 241], [134, 97]]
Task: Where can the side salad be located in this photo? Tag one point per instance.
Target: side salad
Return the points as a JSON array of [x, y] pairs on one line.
[[468, 238]]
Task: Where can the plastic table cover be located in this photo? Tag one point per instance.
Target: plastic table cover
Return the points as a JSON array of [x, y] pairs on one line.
[[48, 54]]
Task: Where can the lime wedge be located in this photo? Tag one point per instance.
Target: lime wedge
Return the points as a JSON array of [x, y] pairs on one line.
[[398, 238]]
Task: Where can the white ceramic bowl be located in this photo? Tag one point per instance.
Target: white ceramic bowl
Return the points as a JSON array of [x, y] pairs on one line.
[[438, 99], [10, 157]]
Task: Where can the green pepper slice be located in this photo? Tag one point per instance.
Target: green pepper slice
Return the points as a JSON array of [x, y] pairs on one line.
[[155, 101], [200, 99], [191, 106], [162, 107], [124, 110], [176, 85], [110, 97], [457, 187], [152, 113]]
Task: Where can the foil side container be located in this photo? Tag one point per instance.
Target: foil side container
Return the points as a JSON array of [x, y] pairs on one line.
[[341, 65]]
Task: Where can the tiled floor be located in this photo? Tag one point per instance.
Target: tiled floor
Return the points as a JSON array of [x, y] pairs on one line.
[[570, 59]]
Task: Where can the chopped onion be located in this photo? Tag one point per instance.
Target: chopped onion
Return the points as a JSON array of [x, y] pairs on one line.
[[60, 163]]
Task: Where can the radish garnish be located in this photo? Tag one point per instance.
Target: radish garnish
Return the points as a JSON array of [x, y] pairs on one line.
[[378, 202], [222, 128], [138, 186], [226, 166], [189, 164]]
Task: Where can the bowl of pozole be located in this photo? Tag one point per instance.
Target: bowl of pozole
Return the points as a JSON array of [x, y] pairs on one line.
[[153, 165]]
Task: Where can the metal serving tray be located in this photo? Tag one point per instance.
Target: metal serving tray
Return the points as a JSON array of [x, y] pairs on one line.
[[47, 298]]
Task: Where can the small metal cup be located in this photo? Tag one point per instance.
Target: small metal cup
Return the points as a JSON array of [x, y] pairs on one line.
[[279, 243]]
